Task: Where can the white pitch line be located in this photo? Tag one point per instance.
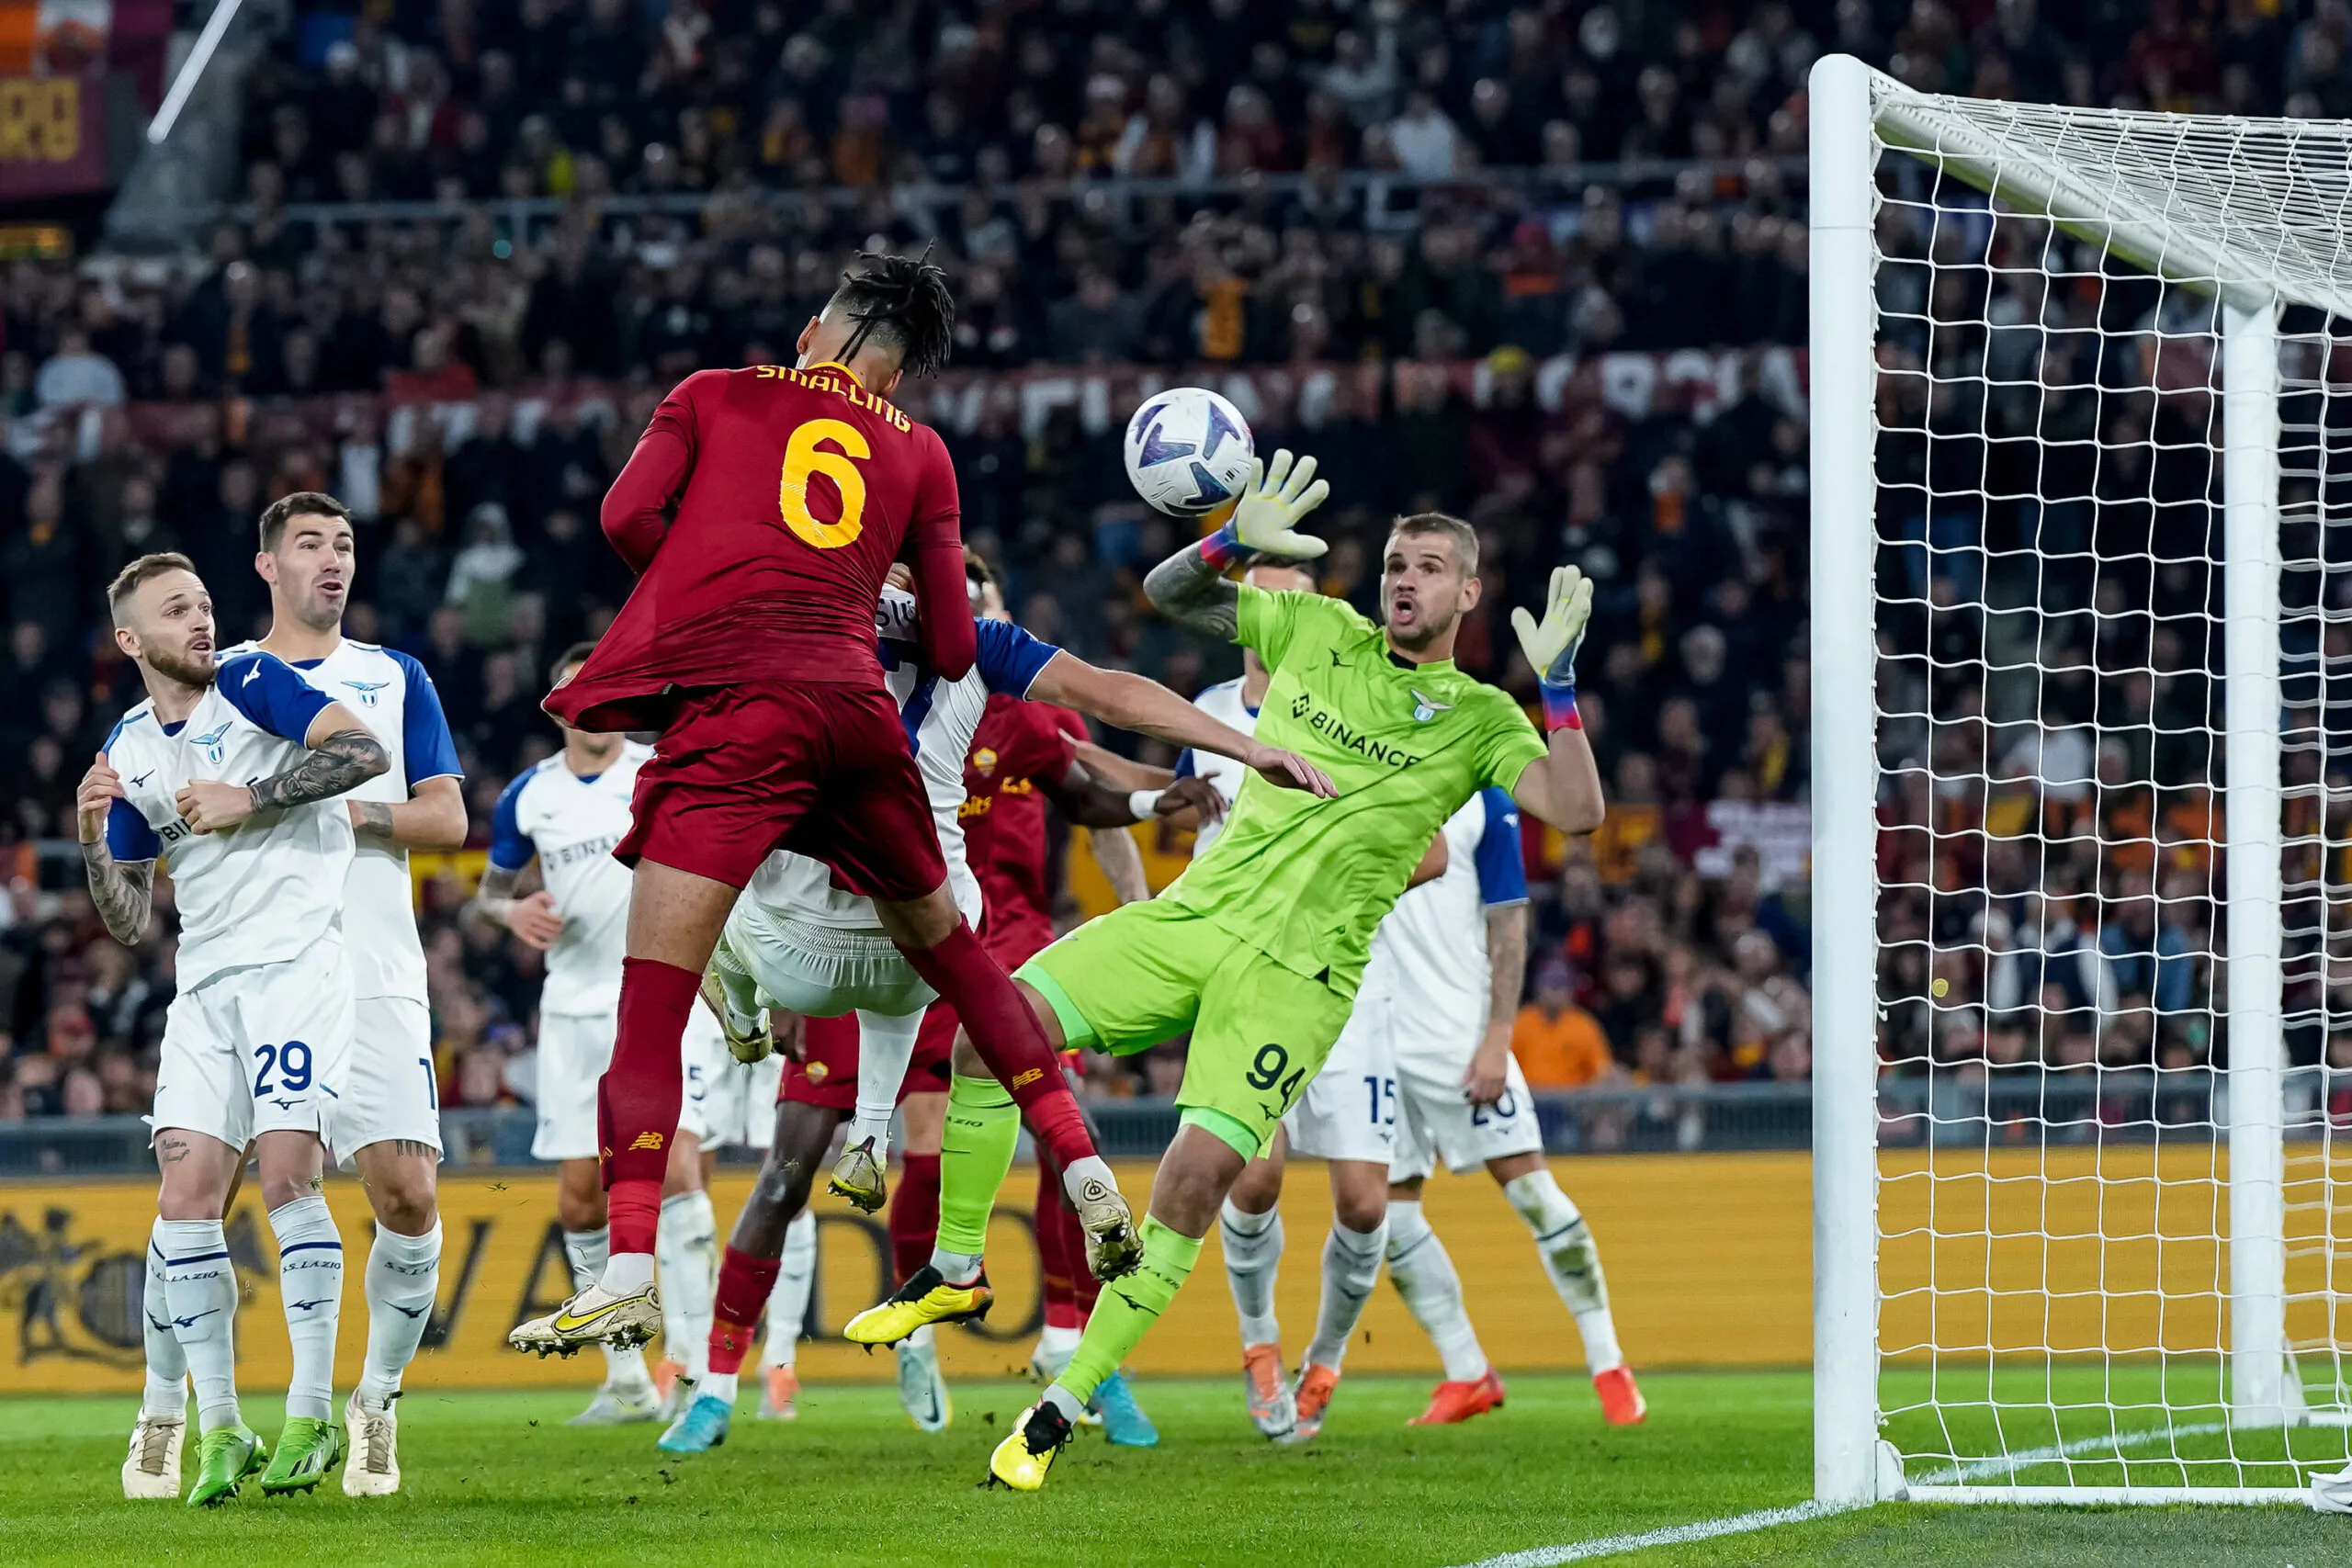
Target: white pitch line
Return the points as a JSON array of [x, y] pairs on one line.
[[1765, 1519], [1978, 1469], [1671, 1534]]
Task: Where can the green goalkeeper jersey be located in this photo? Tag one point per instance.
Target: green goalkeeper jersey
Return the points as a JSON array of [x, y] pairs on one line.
[[1304, 880]]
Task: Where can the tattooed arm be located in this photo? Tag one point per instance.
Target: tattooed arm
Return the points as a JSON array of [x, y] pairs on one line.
[[1191, 589], [533, 918], [120, 891], [342, 754]]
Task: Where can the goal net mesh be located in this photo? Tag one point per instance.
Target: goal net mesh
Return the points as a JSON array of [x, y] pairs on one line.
[[2055, 1287]]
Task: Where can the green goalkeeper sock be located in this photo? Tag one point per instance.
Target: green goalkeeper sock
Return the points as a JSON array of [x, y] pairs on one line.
[[975, 1155], [1128, 1307]]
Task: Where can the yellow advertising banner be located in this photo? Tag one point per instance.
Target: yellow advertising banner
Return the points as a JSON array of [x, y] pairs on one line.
[[1708, 1259]]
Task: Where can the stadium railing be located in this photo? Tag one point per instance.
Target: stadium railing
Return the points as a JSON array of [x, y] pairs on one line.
[[157, 220], [1948, 1110]]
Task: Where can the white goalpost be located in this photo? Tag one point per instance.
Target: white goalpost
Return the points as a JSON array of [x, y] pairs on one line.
[[2082, 795]]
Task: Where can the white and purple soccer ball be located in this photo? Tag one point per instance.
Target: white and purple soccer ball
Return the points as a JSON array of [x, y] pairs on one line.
[[1188, 451]]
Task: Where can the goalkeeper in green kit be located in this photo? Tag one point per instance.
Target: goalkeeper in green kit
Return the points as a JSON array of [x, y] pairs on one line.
[[1258, 947]]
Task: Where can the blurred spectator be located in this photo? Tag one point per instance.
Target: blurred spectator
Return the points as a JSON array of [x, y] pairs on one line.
[[1559, 1045]]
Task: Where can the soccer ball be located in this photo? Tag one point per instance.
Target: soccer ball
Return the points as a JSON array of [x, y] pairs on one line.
[[1188, 451]]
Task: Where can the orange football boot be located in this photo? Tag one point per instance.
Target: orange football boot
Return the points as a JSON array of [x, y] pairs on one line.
[[1313, 1397], [1622, 1403], [1455, 1401], [1262, 1381]]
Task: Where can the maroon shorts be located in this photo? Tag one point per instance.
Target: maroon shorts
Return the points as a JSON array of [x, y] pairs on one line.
[[822, 770], [827, 1073]]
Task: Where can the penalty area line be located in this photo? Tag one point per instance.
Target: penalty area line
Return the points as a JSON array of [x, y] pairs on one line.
[[1669, 1534]]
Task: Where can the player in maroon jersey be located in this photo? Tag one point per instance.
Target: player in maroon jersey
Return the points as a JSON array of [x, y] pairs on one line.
[[763, 509]]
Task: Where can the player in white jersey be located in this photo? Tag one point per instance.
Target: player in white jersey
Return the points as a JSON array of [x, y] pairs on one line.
[[567, 813], [796, 942], [227, 771], [389, 1129]]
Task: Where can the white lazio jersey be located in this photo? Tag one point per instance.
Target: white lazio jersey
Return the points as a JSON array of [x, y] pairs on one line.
[[390, 694], [939, 717], [1222, 701], [1429, 954], [266, 889], [571, 824]]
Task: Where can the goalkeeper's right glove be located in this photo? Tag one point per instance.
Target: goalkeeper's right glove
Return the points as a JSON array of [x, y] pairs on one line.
[[1551, 643], [1266, 520]]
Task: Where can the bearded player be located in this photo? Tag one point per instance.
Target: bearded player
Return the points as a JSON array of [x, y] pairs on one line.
[[1258, 947], [761, 508]]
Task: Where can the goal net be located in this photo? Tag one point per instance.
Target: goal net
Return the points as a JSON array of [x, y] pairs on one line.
[[2082, 460]]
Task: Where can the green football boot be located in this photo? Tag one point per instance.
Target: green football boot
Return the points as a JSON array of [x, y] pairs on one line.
[[225, 1456], [306, 1449]]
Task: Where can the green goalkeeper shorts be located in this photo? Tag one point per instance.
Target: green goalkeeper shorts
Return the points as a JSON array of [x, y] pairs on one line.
[[1145, 973]]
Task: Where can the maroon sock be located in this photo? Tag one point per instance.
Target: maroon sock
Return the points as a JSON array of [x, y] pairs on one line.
[[639, 1098], [744, 1282], [1006, 1035], [914, 1215], [1054, 1259]]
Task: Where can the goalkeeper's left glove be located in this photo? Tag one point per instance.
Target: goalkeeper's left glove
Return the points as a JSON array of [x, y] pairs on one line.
[[1551, 643], [1266, 519]]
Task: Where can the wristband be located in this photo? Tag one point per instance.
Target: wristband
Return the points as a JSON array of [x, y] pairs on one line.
[[1560, 705], [1143, 805], [1222, 549]]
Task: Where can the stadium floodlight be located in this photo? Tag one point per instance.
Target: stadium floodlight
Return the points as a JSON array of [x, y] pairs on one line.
[[2079, 448], [216, 26]]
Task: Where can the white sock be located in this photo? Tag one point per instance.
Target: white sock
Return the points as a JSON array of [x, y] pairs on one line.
[[1077, 1173], [688, 1241], [626, 1273], [886, 1044], [1423, 1274], [956, 1267], [403, 1281], [310, 1286], [1350, 1268], [200, 1284], [584, 1250], [718, 1386], [1253, 1256], [166, 1364], [788, 1303], [1573, 1262], [1055, 1346]]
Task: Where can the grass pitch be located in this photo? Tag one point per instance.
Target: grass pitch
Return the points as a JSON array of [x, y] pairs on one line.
[[498, 1479]]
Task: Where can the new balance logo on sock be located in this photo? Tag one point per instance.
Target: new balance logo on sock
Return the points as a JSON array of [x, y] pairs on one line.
[[1022, 1080], [647, 1141]]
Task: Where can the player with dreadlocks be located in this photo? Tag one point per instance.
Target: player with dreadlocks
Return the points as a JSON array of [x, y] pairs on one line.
[[762, 509]]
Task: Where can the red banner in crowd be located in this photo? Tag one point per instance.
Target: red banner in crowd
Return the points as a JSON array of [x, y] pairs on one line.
[[53, 135]]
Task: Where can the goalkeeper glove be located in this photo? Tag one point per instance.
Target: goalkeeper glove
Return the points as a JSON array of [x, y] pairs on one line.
[[1551, 643], [1267, 516]]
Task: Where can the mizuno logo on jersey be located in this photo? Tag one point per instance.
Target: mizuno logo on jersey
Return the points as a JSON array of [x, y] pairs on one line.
[[143, 778], [367, 690], [647, 1141], [1427, 708], [212, 741]]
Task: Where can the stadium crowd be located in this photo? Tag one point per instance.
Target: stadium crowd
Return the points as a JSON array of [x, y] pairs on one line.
[[470, 380]]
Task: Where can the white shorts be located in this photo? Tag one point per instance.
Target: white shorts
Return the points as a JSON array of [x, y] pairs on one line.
[[264, 1049], [1350, 1110], [389, 1091], [1436, 1121], [728, 1104], [823, 971], [574, 1051]]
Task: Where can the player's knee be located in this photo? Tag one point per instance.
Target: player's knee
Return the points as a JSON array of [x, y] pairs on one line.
[[782, 1186], [281, 1187], [580, 1210], [405, 1205], [1360, 1212], [967, 1058]]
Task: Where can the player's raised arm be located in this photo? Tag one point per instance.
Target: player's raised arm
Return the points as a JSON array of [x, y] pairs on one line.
[[1146, 707], [1191, 587], [636, 513], [118, 852], [1563, 788]]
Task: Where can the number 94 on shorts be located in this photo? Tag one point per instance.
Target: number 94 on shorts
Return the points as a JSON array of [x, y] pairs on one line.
[[1145, 973]]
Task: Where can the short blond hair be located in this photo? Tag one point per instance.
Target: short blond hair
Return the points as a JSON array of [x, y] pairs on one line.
[[1465, 538], [146, 568]]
